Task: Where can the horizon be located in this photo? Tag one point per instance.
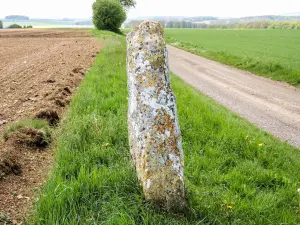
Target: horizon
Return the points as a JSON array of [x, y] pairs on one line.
[[141, 17], [41, 9]]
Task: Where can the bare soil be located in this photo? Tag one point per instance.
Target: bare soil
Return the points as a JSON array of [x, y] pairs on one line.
[[271, 105], [39, 72]]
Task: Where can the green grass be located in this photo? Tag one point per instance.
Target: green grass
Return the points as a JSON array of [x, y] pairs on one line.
[[35, 123], [270, 53], [235, 173]]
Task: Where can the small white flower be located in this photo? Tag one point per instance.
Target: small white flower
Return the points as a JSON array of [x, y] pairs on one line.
[[298, 190]]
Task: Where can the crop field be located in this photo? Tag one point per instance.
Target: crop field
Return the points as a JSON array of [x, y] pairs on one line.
[[270, 53], [235, 173]]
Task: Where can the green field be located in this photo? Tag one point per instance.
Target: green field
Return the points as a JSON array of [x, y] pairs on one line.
[[271, 53], [235, 173]]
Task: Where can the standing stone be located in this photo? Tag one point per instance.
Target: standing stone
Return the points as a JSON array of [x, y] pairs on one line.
[[154, 132]]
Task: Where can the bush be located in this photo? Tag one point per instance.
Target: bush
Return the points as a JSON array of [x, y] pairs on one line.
[[13, 26], [108, 15], [1, 24], [26, 27]]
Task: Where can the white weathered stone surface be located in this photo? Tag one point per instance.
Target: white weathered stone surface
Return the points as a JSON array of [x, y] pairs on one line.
[[154, 133]]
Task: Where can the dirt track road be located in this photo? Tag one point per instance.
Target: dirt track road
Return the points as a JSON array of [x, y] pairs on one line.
[[272, 106]]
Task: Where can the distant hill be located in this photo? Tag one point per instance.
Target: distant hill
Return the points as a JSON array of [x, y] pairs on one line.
[[200, 18], [84, 22], [215, 20], [16, 17], [291, 14], [160, 18], [68, 19], [48, 23], [171, 18], [256, 19]]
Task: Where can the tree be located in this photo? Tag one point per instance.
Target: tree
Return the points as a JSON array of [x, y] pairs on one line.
[[1, 24], [108, 14], [128, 3], [13, 26], [170, 24], [176, 24]]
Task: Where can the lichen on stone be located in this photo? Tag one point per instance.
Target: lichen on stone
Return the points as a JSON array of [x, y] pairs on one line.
[[154, 132]]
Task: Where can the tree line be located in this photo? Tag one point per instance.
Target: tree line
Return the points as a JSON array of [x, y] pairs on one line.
[[259, 25], [166, 24], [248, 25], [14, 26], [200, 18]]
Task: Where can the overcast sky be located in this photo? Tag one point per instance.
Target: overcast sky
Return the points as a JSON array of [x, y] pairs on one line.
[[82, 8]]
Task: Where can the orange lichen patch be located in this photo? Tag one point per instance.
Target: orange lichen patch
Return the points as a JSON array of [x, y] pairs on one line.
[[157, 61], [146, 80], [164, 122]]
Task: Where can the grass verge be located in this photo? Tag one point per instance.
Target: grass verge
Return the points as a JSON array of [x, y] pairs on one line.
[[266, 54], [235, 173]]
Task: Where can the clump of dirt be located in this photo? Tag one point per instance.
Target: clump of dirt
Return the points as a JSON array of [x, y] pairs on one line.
[[8, 166], [30, 137], [63, 97], [49, 115], [5, 219], [67, 89], [50, 81], [79, 70], [60, 102]]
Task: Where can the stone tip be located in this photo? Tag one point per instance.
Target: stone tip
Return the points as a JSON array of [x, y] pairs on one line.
[[148, 27]]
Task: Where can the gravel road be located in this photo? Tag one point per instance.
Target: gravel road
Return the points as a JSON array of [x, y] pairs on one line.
[[273, 106]]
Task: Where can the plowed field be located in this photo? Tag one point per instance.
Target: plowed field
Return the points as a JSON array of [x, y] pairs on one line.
[[39, 69]]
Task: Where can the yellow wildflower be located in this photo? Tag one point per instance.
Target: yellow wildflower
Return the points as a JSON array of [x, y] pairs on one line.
[[106, 145]]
